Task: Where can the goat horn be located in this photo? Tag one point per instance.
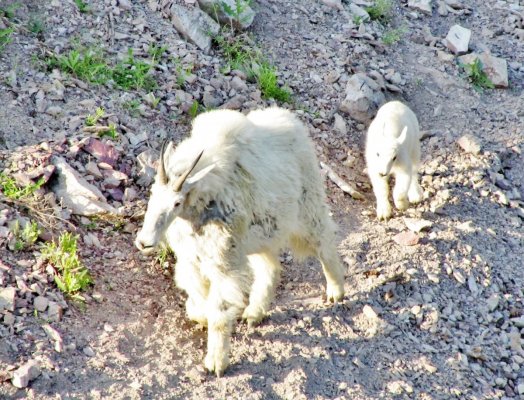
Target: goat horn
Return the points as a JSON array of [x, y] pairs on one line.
[[162, 176], [180, 181]]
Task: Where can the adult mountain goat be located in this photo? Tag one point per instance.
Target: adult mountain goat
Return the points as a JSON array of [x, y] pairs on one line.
[[227, 200], [393, 148]]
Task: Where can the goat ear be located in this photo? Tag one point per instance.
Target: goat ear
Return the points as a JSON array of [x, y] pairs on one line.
[[403, 135], [200, 174]]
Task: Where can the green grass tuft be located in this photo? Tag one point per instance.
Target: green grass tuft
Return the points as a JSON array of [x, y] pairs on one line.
[[5, 37], [71, 276], [12, 190], [393, 36], [241, 53], [476, 76], [82, 6], [381, 11], [26, 237], [134, 74], [268, 84]]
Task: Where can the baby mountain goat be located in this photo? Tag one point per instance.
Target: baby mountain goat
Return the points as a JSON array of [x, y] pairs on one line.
[[226, 201], [393, 147]]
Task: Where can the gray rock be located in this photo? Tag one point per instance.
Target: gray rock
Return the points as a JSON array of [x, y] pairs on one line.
[[421, 5], [9, 319], [93, 169], [363, 98], [76, 193], [359, 12], [26, 373], [88, 351], [125, 4], [417, 225], [194, 25], [54, 312], [53, 334], [238, 84], [210, 101], [40, 303], [340, 124], [7, 298], [457, 39], [130, 194], [469, 143], [235, 13], [496, 68]]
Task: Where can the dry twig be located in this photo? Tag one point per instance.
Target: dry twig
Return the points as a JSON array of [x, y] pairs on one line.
[[342, 184]]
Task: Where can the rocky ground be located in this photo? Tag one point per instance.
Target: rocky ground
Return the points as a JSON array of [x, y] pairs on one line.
[[435, 302]]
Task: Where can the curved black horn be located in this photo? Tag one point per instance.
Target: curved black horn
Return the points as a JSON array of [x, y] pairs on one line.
[[180, 181], [161, 171]]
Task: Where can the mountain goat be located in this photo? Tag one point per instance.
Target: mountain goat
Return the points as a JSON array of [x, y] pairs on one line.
[[393, 148], [226, 201]]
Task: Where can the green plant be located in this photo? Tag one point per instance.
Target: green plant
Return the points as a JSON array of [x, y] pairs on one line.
[[156, 52], [71, 276], [393, 36], [82, 6], [359, 19], [268, 83], [91, 119], [194, 110], [381, 11], [25, 237], [477, 76], [9, 11], [240, 53], [36, 26], [111, 132], [235, 12], [133, 106], [133, 74], [163, 253], [5, 37], [84, 64], [12, 190]]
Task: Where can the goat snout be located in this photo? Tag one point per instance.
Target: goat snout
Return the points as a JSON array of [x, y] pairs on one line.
[[143, 246]]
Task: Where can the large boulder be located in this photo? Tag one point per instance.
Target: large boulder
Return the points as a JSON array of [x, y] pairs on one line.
[[76, 193], [194, 25], [363, 98]]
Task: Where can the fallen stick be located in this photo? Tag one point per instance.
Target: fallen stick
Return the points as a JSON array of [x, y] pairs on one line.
[[337, 180]]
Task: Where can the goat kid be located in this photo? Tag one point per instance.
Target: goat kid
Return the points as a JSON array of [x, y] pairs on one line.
[[393, 148]]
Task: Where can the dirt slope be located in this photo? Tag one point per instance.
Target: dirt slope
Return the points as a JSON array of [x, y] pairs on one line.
[[438, 320]]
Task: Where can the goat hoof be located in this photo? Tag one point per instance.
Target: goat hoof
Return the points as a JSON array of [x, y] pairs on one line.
[[216, 363], [384, 212], [334, 293], [401, 204], [253, 316], [416, 195]]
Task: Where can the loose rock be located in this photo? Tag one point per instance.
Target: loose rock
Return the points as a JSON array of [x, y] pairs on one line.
[[457, 39], [26, 373], [363, 98]]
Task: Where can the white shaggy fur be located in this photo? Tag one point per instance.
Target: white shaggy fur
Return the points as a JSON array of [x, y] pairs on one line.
[[393, 148], [256, 189]]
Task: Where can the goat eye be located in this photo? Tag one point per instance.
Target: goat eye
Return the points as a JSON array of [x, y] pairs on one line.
[[394, 158], [177, 204]]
